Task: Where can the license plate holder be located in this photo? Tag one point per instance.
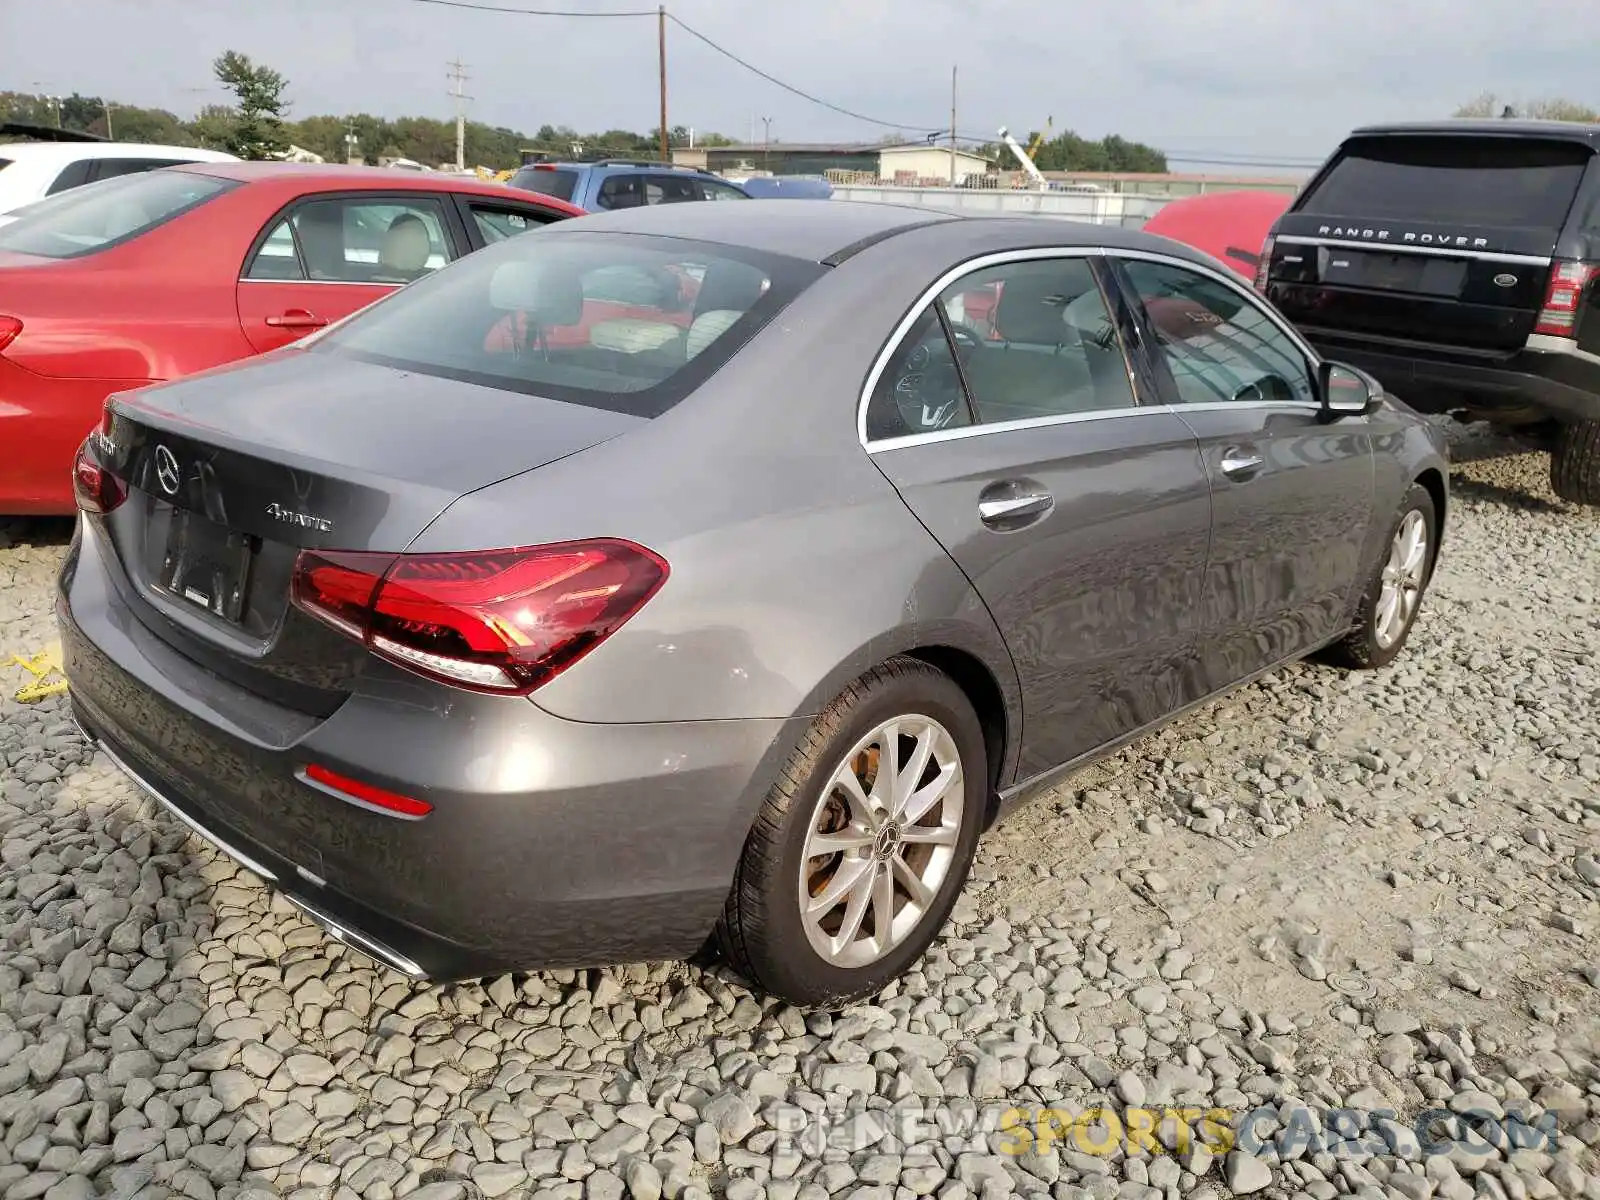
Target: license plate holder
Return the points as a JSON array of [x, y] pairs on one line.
[[207, 565]]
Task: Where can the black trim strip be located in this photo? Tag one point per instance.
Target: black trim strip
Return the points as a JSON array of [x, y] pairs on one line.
[[883, 235]]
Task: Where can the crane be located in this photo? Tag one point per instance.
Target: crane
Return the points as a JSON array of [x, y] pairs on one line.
[[1022, 157], [1041, 137]]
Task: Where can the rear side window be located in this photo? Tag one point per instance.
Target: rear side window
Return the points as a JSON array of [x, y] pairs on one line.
[[4, 163], [72, 175], [626, 323], [547, 181], [110, 168], [1452, 180], [108, 213]]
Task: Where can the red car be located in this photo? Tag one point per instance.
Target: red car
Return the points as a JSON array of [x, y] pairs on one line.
[[148, 277]]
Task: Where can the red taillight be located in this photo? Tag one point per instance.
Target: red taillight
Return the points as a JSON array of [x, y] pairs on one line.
[[9, 328], [1564, 296], [1264, 267], [366, 793], [95, 488], [494, 620]]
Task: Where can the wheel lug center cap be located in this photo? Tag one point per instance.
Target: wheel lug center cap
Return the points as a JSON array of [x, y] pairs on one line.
[[886, 843]]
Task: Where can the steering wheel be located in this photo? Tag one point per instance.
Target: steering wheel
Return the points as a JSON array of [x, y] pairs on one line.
[[967, 339], [928, 390]]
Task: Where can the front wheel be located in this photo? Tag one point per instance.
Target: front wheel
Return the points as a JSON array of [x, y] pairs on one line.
[[1575, 463], [863, 844], [1393, 597]]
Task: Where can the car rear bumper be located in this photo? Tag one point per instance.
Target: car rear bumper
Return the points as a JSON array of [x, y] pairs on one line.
[[551, 843], [1564, 383]]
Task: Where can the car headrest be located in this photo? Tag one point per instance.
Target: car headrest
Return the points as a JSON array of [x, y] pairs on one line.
[[406, 244], [729, 286], [548, 296], [1032, 309]]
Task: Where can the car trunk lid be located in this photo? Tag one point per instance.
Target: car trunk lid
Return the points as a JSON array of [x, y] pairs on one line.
[[231, 474], [1436, 239]]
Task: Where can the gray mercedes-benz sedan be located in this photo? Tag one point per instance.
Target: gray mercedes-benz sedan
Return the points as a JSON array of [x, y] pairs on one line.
[[719, 572]]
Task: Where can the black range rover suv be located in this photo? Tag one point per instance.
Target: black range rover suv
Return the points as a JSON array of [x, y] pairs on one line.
[[1459, 263]]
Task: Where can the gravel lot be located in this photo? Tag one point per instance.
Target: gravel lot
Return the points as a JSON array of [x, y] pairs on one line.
[[1376, 892]]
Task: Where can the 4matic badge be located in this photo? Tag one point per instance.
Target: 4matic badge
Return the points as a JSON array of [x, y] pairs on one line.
[[305, 520]]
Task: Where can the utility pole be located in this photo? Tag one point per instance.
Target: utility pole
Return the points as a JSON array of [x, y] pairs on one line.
[[952, 126], [108, 121], [766, 143], [661, 46], [459, 76]]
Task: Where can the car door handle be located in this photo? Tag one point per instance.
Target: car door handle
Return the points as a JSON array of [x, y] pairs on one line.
[[1012, 509], [1240, 463], [297, 318]]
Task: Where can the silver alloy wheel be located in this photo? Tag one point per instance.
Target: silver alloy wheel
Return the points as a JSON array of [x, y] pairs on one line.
[[881, 841], [1403, 577]]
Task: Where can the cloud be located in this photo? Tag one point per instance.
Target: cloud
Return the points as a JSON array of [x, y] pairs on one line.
[[1229, 77]]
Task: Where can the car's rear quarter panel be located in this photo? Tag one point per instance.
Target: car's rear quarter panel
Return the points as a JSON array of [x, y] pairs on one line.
[[794, 564]]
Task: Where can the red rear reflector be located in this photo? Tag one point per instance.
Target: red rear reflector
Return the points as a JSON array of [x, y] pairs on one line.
[[9, 328], [1564, 297], [95, 489], [366, 793], [491, 621]]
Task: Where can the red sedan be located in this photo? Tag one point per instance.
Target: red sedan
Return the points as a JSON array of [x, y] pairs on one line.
[[148, 277]]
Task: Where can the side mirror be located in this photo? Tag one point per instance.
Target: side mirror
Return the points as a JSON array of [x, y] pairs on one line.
[[1345, 391]]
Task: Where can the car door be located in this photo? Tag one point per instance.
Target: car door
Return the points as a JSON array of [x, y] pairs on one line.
[[326, 255], [1291, 491], [1080, 513]]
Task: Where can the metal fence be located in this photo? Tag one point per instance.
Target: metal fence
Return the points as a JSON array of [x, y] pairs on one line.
[[1128, 210]]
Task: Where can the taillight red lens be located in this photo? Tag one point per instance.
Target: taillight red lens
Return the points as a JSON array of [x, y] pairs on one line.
[[494, 621], [1264, 267], [95, 488], [1564, 296], [10, 327]]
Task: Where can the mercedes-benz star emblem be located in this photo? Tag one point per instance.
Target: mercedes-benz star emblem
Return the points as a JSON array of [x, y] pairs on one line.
[[167, 470]]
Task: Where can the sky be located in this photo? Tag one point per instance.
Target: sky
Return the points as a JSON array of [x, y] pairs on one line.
[[1251, 81]]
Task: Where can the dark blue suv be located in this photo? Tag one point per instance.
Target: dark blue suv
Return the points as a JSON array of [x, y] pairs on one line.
[[623, 183]]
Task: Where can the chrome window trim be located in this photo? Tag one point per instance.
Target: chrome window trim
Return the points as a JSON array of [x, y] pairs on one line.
[[977, 264], [334, 282], [1298, 239], [966, 431], [928, 296]]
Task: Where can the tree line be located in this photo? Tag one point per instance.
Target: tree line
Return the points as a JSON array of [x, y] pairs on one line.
[[256, 125]]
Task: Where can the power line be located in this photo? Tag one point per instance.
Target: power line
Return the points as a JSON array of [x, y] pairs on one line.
[[804, 95], [1221, 158], [532, 12]]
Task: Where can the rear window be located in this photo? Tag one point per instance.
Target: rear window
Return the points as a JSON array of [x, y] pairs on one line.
[[547, 181], [104, 214], [615, 321], [1452, 180]]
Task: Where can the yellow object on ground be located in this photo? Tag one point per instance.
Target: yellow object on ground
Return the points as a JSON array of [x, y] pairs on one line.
[[42, 666]]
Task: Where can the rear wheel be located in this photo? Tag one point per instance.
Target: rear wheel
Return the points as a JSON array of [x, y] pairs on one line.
[[864, 843], [1575, 463], [1393, 597]]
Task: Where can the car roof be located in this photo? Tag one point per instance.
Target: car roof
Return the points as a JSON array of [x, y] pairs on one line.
[[830, 231], [1577, 131], [361, 178], [65, 152]]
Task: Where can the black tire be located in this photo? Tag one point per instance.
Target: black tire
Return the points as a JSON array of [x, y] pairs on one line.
[[1575, 463], [761, 933], [1360, 649]]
